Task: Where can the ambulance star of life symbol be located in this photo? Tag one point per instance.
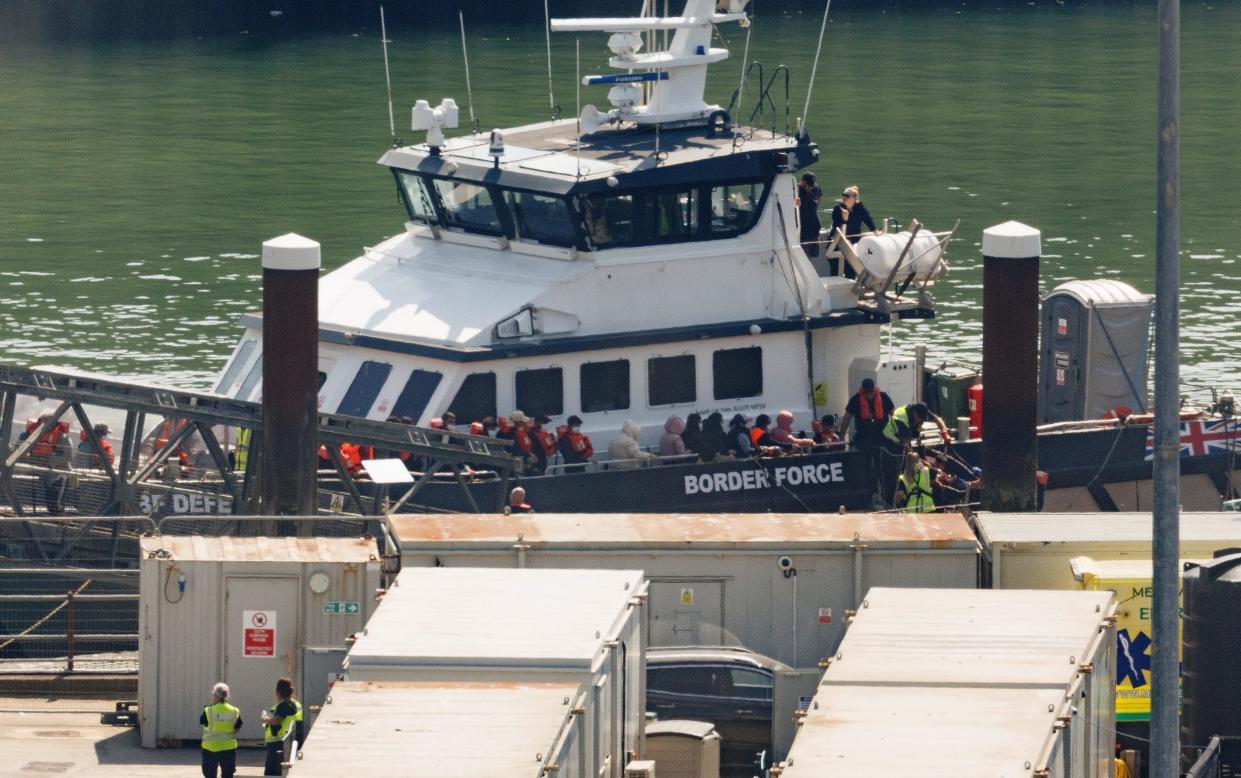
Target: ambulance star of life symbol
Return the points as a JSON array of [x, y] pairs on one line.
[[1132, 661], [259, 619]]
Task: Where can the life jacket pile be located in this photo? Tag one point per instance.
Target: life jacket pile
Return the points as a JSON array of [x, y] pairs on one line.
[[351, 453]]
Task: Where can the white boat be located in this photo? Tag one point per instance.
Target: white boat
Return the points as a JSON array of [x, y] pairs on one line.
[[634, 263]]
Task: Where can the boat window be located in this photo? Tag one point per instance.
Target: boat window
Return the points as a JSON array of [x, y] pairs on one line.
[[541, 391], [735, 207], [252, 379], [417, 198], [468, 206], [541, 218], [670, 215], [738, 372], [364, 389], [670, 380], [605, 386], [475, 399], [610, 220], [322, 378], [234, 368], [416, 394]]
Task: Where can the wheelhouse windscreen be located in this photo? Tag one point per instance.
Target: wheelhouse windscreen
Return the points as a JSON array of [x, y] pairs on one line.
[[468, 206], [421, 209], [541, 218]]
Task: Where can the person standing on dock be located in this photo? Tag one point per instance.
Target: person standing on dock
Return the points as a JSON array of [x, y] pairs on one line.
[[284, 715], [220, 722]]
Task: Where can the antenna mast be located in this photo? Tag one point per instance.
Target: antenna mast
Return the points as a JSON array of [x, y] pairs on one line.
[[547, 28], [815, 68], [383, 35], [469, 92]]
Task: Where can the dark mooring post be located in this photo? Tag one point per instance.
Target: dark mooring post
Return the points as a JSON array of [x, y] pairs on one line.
[[1010, 314], [290, 376]]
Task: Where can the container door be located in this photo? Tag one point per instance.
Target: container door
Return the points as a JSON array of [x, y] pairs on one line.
[[1063, 342], [261, 622], [686, 612]]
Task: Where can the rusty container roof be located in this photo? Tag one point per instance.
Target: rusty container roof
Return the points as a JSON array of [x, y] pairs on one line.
[[196, 548], [742, 531]]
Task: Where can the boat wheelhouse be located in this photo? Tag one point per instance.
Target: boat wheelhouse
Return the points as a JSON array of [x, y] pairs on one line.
[[630, 264]]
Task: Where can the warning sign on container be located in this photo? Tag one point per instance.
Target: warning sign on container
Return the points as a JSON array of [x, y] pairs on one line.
[[1062, 326], [258, 633], [825, 615], [687, 596]]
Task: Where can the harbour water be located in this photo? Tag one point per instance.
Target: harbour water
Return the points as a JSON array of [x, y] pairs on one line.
[[140, 179]]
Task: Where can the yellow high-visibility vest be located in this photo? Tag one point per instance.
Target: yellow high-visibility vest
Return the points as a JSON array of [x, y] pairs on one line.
[[220, 734], [285, 724]]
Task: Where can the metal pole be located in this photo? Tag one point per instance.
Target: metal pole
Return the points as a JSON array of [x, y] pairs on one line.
[[69, 632], [1165, 664], [290, 376], [1010, 365]]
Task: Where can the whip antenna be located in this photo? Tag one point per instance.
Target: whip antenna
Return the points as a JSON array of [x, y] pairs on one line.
[[547, 28], [383, 38], [469, 92], [815, 68]]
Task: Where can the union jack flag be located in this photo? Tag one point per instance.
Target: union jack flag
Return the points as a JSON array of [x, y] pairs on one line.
[[1200, 438]]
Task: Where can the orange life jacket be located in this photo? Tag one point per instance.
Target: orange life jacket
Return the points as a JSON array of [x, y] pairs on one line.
[[104, 445], [521, 436], [437, 424], [46, 444], [502, 424], [865, 412], [581, 445], [353, 454], [547, 439], [755, 434], [477, 428], [169, 428]]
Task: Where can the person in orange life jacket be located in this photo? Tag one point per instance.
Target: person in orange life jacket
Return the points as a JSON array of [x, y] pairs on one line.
[[546, 438], [90, 456], [759, 433], [871, 408], [47, 442], [825, 431], [783, 433], [351, 453], [483, 428], [517, 502], [575, 448], [523, 441]]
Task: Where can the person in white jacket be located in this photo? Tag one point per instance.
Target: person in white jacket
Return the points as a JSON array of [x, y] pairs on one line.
[[625, 446]]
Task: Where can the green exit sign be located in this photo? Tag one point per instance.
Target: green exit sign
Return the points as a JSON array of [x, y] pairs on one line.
[[341, 607]]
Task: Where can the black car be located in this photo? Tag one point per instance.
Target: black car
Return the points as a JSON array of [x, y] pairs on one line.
[[729, 687]]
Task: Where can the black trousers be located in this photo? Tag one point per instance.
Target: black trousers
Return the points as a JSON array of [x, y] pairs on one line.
[[226, 761], [275, 755]]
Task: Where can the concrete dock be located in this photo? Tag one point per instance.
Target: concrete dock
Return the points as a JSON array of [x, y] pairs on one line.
[[65, 736]]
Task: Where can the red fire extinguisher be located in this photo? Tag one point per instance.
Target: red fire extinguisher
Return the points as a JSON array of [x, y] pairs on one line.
[[974, 394]]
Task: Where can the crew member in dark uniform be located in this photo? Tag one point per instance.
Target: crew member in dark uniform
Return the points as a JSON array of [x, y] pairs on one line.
[[809, 195]]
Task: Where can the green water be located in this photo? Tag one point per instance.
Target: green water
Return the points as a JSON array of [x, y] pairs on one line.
[[139, 181]]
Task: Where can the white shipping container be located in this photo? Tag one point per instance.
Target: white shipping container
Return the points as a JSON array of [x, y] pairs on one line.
[[967, 683], [778, 584], [519, 626], [479, 729], [242, 610], [1033, 550]]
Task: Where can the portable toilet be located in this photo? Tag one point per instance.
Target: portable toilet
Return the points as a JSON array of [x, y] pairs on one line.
[[1094, 354]]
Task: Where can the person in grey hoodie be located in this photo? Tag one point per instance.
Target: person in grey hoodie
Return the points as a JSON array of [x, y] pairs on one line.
[[671, 444]]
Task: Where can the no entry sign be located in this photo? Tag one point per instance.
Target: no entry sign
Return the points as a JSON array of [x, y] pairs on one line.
[[258, 633]]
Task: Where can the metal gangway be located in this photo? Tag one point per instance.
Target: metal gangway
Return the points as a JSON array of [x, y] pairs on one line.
[[194, 454]]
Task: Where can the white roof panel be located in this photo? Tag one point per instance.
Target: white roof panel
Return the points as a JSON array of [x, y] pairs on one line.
[[429, 730], [511, 618], [199, 548], [964, 637], [877, 731], [1102, 527]]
